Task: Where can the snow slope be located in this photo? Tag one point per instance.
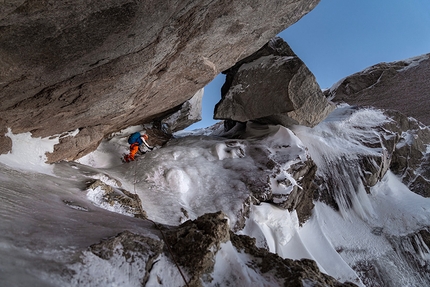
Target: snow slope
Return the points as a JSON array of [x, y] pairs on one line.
[[49, 217]]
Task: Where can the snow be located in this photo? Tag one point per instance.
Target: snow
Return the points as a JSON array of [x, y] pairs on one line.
[[96, 196], [49, 215], [29, 153], [233, 268], [413, 62]]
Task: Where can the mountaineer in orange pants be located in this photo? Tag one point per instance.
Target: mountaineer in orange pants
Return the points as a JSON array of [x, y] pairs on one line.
[[135, 140]]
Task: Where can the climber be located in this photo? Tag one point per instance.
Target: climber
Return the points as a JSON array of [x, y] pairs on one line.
[[136, 140]]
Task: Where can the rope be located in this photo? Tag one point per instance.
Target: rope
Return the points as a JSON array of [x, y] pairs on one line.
[[159, 229]]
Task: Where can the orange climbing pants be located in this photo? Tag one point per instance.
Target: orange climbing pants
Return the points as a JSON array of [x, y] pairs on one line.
[[134, 148]]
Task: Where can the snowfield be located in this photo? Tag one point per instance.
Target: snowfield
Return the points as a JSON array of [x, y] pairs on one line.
[[49, 216]]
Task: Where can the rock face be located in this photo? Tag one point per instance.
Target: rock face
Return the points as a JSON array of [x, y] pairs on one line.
[[188, 114], [272, 86], [99, 67], [410, 158], [401, 86]]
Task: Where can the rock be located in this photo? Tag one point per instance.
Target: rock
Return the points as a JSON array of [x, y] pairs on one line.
[[288, 272], [401, 86], [107, 196], [282, 172], [5, 142], [189, 113], [411, 157], [196, 243], [272, 86], [301, 199], [106, 66]]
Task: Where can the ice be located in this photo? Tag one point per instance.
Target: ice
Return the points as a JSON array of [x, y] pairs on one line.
[[337, 144]]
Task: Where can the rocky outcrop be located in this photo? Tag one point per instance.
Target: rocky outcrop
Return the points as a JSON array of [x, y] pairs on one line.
[[187, 114], [115, 199], [401, 86], [196, 244], [411, 157], [272, 86], [100, 67], [289, 272], [197, 249]]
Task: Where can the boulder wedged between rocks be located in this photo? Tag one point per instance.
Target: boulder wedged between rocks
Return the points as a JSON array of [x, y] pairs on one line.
[[272, 86]]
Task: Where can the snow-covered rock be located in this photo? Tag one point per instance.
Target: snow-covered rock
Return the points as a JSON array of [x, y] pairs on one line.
[[212, 255], [228, 207], [411, 157], [101, 67]]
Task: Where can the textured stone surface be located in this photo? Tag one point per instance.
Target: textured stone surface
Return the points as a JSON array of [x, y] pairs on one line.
[[273, 86], [188, 114], [195, 244], [410, 159], [102, 66], [402, 86]]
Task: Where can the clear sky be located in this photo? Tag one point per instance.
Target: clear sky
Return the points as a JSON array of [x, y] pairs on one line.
[[342, 37]]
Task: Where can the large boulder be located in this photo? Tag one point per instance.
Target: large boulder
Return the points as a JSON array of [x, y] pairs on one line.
[[98, 67], [402, 86], [272, 86]]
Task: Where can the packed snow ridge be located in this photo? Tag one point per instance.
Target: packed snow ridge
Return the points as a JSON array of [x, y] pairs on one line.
[[368, 235]]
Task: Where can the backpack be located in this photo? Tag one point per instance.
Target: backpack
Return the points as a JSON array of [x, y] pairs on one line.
[[134, 138]]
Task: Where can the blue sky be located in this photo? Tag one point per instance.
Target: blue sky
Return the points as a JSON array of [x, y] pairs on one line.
[[341, 37]]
